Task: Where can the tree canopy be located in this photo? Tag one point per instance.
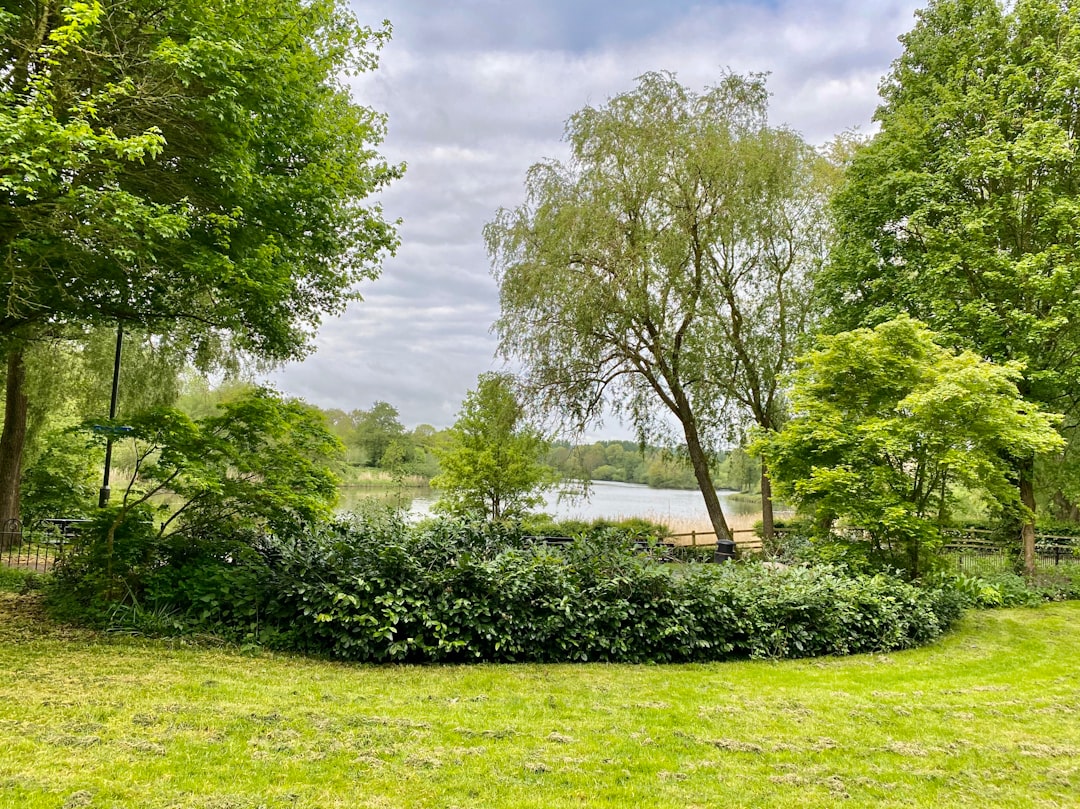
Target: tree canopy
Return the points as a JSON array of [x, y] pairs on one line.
[[664, 269], [187, 164], [963, 210], [191, 168], [886, 422]]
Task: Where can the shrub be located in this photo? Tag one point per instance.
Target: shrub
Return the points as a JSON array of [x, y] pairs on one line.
[[1009, 589], [454, 592], [374, 588]]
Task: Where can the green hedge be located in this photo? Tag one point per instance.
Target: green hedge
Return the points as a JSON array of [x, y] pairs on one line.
[[447, 592], [380, 590]]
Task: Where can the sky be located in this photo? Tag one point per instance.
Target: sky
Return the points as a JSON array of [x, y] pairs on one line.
[[476, 91]]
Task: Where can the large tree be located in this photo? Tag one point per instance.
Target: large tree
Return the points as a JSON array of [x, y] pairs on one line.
[[964, 209], [186, 166], [664, 269]]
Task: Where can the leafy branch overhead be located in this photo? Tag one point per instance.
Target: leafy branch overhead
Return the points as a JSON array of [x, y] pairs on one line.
[[183, 166]]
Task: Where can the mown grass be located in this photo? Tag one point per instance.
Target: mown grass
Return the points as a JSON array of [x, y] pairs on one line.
[[990, 716]]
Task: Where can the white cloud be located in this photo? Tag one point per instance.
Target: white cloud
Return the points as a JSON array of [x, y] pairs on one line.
[[478, 90]]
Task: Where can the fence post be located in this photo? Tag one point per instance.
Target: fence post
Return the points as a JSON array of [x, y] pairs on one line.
[[693, 539]]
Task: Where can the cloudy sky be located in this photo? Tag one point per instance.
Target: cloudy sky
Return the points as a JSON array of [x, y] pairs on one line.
[[478, 90]]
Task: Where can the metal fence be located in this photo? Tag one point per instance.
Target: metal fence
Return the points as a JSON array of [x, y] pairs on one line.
[[38, 547]]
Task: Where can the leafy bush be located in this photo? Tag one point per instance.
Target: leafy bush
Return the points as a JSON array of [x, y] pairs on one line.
[[102, 567], [374, 588], [1009, 589], [453, 592]]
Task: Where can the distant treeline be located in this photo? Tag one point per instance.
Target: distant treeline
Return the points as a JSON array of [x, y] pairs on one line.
[[376, 439], [628, 462]]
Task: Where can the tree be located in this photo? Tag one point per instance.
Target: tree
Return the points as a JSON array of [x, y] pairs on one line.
[[886, 422], [191, 167], [963, 210], [665, 269], [492, 462], [376, 430], [260, 461]]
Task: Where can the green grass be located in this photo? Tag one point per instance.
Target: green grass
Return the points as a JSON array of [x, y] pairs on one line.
[[988, 716]]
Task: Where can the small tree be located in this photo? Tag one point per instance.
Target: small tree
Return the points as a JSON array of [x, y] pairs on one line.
[[886, 421], [492, 462], [259, 462]]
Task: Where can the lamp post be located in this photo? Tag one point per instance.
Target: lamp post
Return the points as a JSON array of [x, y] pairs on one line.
[[103, 496]]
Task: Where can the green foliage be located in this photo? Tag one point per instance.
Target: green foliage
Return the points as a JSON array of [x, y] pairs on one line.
[[17, 580], [886, 421], [666, 471], [375, 431], [492, 461], [1006, 590], [630, 528], [739, 471], [378, 589], [660, 467], [455, 592], [260, 461], [62, 481], [962, 211], [663, 271], [201, 494], [190, 167], [106, 564]]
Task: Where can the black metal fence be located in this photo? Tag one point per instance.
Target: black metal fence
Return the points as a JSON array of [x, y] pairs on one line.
[[36, 547]]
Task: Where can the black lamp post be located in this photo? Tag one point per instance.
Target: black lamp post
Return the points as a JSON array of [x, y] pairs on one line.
[[103, 496]]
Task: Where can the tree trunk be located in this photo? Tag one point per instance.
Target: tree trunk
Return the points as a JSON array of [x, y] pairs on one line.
[[1026, 470], [12, 441], [768, 529], [702, 473]]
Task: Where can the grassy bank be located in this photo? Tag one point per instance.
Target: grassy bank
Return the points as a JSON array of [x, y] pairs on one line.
[[988, 716]]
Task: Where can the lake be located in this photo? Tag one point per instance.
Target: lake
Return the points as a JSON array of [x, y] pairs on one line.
[[679, 508]]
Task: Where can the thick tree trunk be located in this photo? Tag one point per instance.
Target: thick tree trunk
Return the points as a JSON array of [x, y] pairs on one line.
[[12, 441], [700, 462], [768, 528], [1026, 470]]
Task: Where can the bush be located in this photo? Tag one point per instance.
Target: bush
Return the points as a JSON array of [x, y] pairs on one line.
[[377, 589], [1009, 589], [98, 571], [454, 592]]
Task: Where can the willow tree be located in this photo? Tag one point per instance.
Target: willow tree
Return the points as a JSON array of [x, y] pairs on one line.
[[964, 209], [188, 168], [663, 270]]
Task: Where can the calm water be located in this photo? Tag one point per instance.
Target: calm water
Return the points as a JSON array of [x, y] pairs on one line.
[[605, 499]]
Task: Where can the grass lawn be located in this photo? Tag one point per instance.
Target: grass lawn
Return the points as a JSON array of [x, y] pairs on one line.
[[989, 717]]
